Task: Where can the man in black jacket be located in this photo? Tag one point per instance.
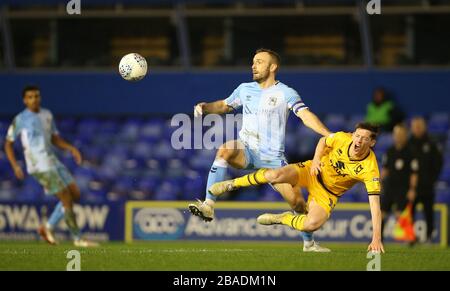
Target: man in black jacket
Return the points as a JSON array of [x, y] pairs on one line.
[[399, 174], [430, 164]]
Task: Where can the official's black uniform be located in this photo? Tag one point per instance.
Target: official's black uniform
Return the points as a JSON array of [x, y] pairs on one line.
[[430, 164], [400, 165]]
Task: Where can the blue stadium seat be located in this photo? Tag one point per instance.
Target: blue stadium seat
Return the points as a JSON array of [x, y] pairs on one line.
[[248, 194], [194, 186], [200, 163], [291, 143], [142, 150], [384, 141], [152, 130], [67, 125], [348, 197], [438, 123], [8, 189], [4, 127], [154, 168], [30, 191], [353, 120], [175, 168], [164, 150], [443, 192], [336, 122], [306, 144], [108, 127], [148, 185], [88, 127], [168, 190], [269, 194]]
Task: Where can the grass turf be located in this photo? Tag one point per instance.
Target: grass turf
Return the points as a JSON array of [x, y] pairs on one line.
[[218, 256]]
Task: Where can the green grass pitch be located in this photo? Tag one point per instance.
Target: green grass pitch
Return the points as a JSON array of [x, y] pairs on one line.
[[218, 256]]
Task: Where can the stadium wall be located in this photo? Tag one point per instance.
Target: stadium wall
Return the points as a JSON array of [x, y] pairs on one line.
[[332, 91], [164, 220], [350, 222]]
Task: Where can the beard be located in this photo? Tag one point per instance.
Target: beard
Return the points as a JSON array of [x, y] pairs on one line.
[[261, 76]]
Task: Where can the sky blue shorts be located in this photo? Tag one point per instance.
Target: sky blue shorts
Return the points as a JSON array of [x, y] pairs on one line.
[[55, 180], [254, 161]]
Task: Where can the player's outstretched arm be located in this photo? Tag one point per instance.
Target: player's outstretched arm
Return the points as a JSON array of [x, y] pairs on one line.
[[376, 245], [312, 121], [217, 107], [9, 150], [60, 143], [321, 149]]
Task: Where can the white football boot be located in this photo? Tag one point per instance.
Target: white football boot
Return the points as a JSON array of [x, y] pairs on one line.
[[202, 210]]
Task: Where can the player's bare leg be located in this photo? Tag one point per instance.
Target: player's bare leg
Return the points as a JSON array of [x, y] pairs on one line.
[[67, 198], [231, 153]]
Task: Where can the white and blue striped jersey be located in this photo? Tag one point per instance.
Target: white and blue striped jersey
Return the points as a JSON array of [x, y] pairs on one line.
[[35, 131], [265, 114]]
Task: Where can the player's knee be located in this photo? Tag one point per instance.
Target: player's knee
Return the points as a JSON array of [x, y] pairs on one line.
[[312, 225], [224, 153], [275, 176], [299, 206], [75, 191]]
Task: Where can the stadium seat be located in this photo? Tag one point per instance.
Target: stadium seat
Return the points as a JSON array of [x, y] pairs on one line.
[[438, 123], [336, 122], [142, 150], [443, 192], [152, 130], [30, 191], [353, 120], [194, 186], [269, 194], [248, 194], [169, 190], [384, 141], [7, 190]]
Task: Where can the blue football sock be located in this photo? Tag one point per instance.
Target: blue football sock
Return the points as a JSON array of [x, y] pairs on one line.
[[307, 236], [56, 216], [216, 174]]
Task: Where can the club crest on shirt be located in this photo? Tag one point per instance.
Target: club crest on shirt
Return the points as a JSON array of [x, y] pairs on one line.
[[272, 101]]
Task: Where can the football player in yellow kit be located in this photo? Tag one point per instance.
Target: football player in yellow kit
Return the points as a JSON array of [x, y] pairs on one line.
[[340, 161]]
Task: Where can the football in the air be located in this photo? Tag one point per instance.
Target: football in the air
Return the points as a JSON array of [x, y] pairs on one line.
[[133, 67]]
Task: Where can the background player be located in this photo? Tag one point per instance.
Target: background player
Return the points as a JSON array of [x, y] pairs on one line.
[[340, 161], [266, 103], [38, 133]]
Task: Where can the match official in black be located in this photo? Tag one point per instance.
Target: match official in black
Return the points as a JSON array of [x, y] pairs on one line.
[[399, 175], [430, 164]]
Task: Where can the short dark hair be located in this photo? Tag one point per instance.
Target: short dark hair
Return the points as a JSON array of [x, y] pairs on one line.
[[275, 56], [373, 128], [29, 88]]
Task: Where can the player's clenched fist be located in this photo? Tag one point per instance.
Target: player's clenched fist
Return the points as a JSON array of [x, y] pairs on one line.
[[198, 109]]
